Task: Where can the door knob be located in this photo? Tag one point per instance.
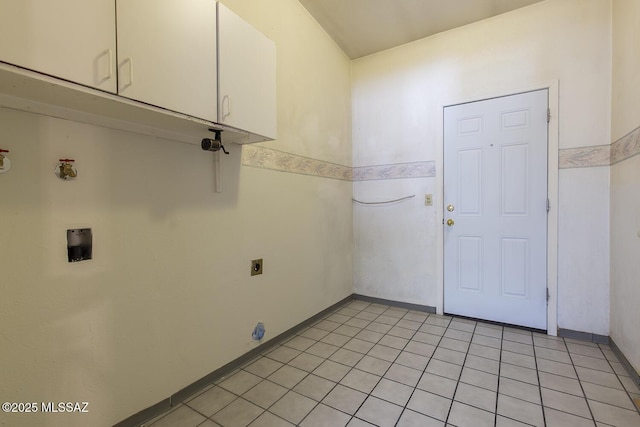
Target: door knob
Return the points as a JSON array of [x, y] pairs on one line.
[[450, 222], [450, 208]]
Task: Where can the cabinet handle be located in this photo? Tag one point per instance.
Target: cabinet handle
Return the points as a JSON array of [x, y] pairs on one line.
[[128, 61], [228, 113], [109, 55]]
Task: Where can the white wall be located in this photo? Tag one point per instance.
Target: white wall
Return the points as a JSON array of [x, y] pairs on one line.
[[625, 183], [168, 297], [398, 97]]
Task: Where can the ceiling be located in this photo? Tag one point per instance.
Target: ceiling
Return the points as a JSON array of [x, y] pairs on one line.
[[363, 27]]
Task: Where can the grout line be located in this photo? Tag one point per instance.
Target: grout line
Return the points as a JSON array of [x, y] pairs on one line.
[[593, 418]]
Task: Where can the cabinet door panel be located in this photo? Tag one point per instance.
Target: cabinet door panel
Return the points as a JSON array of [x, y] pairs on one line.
[[246, 76], [167, 54], [69, 39]]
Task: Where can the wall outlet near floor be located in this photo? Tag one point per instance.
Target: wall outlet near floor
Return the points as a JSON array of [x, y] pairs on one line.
[[428, 199], [256, 267]]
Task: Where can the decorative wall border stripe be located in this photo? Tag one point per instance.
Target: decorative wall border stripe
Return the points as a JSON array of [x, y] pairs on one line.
[[268, 158], [626, 147], [394, 171], [581, 157], [602, 155], [584, 157]]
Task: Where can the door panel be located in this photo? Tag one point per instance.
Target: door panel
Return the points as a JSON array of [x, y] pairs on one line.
[[495, 178]]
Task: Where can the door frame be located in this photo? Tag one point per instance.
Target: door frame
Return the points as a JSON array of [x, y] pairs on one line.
[[552, 191]]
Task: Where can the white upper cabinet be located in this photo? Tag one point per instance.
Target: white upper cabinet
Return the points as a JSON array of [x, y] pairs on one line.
[[167, 54], [246, 76], [69, 39]]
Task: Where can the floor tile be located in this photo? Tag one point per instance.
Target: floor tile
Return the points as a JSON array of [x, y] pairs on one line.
[[348, 311], [182, 415], [324, 416], [265, 394], [629, 385], [546, 342], [267, 419], [358, 323], [518, 359], [462, 325], [556, 368], [562, 419], [484, 351], [475, 396], [464, 415], [346, 357], [480, 379], [239, 413], [314, 387], [263, 367], [482, 364], [438, 320], [331, 370], [314, 333], [326, 325], [211, 401], [438, 385], [365, 315], [322, 349], [335, 338], [377, 309], [516, 347], [371, 336], [393, 341], [240, 382], [444, 369], [454, 344], [559, 383], [347, 330], [383, 352], [416, 316], [403, 374], [585, 350], [565, 402], [338, 318], [293, 407], [490, 332], [393, 392], [379, 412], [398, 331], [283, 354], [520, 410], [432, 329], [520, 390], [412, 360], [458, 335], [398, 313], [361, 346], [409, 324], [387, 320], [426, 338], [555, 355], [360, 380], [450, 356], [519, 373], [613, 415], [306, 362], [487, 341], [508, 422], [591, 362], [608, 395], [518, 337], [599, 377], [345, 399], [420, 348], [430, 404], [380, 328], [288, 376], [411, 418], [300, 343], [373, 365]]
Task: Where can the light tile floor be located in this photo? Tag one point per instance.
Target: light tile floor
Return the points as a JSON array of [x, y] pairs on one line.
[[369, 364]]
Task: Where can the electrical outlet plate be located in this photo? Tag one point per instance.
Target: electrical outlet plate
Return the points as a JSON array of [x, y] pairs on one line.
[[428, 199], [256, 267]]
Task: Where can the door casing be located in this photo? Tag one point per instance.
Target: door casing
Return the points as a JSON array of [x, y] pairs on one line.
[[552, 183]]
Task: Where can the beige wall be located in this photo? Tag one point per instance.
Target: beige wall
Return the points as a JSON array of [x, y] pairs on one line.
[[398, 96], [168, 297], [625, 182]]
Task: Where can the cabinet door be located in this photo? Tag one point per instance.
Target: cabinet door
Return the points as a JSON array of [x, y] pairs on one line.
[[246, 76], [167, 54], [69, 39]]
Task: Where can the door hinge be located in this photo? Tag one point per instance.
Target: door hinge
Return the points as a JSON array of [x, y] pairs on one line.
[[548, 205], [548, 295], [548, 115]]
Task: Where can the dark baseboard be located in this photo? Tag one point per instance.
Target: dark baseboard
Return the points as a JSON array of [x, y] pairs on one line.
[[408, 306], [635, 376], [165, 404], [583, 336]]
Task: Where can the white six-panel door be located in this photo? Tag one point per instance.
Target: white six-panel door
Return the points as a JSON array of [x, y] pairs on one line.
[[495, 209]]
